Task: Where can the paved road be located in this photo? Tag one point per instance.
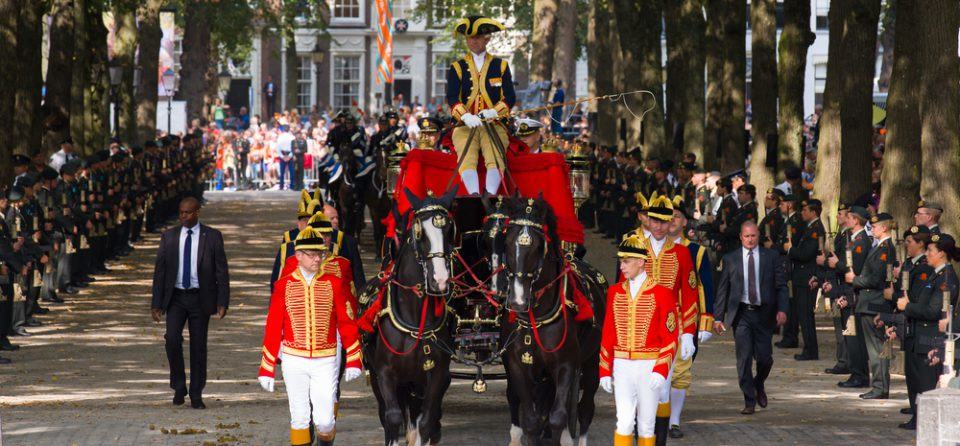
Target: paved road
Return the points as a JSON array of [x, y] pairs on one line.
[[95, 373]]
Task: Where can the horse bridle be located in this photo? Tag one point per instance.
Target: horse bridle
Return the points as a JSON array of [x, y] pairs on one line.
[[524, 240], [440, 220]]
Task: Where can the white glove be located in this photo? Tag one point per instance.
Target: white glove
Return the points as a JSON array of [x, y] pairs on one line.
[[471, 120], [351, 374], [607, 384], [704, 336], [489, 114], [266, 382], [687, 349], [656, 380]]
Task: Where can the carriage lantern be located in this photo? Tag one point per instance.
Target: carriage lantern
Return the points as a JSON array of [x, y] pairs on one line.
[[579, 175], [393, 165]]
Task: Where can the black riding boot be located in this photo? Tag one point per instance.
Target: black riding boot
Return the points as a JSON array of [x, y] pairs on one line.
[[662, 430]]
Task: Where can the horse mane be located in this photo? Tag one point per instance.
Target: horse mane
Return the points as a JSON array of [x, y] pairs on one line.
[[540, 211]]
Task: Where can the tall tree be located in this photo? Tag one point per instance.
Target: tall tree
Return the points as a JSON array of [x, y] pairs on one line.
[[125, 51], [195, 58], [148, 16], [900, 178], [59, 77], [826, 184], [795, 39], [763, 18], [79, 76], [96, 98], [601, 43], [685, 28], [940, 107], [734, 28], [8, 84], [713, 139], [28, 131], [565, 47], [639, 25], [544, 29]]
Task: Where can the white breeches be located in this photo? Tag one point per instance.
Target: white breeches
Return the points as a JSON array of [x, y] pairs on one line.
[[311, 381], [636, 402], [665, 388]]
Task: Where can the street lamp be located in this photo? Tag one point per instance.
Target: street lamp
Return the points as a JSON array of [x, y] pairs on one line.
[[169, 81], [116, 75], [317, 55], [224, 77]]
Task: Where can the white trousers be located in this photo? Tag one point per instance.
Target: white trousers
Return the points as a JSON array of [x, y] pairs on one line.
[[311, 381], [665, 388], [636, 402]]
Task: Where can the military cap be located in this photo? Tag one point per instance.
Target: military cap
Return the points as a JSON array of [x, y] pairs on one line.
[[725, 183], [114, 140], [527, 126], [309, 239], [26, 181], [860, 211], [103, 154], [91, 160], [812, 202], [881, 217], [429, 125], [929, 205], [611, 149], [748, 188], [71, 167], [150, 144], [632, 247], [918, 230], [166, 141], [843, 207], [793, 173], [16, 193], [776, 193], [391, 114], [943, 240], [118, 157], [48, 173], [136, 150], [688, 166], [19, 160], [67, 140], [736, 173], [666, 166], [792, 198], [476, 25]]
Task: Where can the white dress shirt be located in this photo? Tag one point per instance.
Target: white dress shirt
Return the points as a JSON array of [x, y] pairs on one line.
[[194, 250], [479, 59], [657, 245], [746, 274], [636, 284]]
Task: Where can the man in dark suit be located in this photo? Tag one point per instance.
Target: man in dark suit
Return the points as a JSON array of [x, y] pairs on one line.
[[752, 300], [190, 283]]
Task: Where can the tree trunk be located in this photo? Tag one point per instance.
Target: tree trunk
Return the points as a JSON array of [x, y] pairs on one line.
[[940, 107], [195, 59], [544, 29], [80, 76], [764, 92], [888, 42], [900, 178], [28, 131], [149, 63], [58, 78], [826, 184], [639, 26], [715, 100], [8, 84], [97, 97], [291, 87], [795, 39], [734, 86], [856, 113], [565, 48], [124, 50], [685, 28], [600, 53]]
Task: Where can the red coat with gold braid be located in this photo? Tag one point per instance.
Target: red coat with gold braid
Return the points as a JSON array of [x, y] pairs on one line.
[[642, 328], [673, 269], [305, 318]]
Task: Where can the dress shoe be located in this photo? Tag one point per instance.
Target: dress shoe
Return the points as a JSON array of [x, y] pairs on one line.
[[805, 357], [907, 411], [762, 398], [53, 298], [675, 432], [69, 290], [178, 397], [20, 331], [837, 370], [79, 284], [5, 360], [197, 403], [872, 395], [5, 345], [909, 425], [749, 410], [781, 344], [32, 323], [41, 310], [853, 383]]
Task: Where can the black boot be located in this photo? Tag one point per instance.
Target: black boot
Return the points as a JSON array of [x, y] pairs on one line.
[[662, 430]]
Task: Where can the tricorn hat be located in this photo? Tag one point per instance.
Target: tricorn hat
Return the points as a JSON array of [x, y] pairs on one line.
[[476, 25]]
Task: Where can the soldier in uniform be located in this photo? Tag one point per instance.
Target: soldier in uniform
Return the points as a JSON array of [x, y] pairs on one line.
[[941, 250], [429, 137], [529, 133], [480, 95], [747, 211], [637, 347], [723, 216], [803, 257], [875, 277], [773, 227], [928, 214], [311, 370], [11, 264], [855, 243], [794, 228]]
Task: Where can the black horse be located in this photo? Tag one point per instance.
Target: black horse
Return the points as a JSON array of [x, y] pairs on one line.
[[349, 189], [410, 357], [378, 201], [554, 358]]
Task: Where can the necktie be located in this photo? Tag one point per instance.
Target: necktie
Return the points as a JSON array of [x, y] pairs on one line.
[[752, 278], [185, 282]]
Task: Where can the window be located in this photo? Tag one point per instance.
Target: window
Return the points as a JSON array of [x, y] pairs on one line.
[[346, 9], [304, 84], [346, 81], [823, 10], [401, 9], [820, 81], [823, 23], [440, 81]]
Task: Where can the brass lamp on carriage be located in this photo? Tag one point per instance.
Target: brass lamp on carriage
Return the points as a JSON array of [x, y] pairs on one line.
[[579, 181], [393, 165]]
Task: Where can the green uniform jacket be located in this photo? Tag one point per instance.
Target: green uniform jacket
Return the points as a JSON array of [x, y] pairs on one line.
[[873, 279]]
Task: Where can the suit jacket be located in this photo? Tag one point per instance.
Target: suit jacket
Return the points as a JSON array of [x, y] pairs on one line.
[[773, 286], [211, 269]]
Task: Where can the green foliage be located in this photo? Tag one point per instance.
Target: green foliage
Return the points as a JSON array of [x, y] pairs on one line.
[[444, 14]]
